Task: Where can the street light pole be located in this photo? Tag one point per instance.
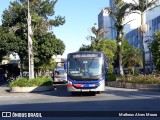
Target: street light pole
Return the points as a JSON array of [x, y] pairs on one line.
[[30, 47]]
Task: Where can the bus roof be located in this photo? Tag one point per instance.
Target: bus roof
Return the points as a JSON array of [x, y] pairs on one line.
[[81, 54], [85, 52]]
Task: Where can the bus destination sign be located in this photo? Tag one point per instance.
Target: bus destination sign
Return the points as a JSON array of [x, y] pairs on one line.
[[84, 55]]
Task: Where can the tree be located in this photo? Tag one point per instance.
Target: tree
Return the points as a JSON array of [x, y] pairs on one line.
[[95, 38], [141, 7], [46, 45], [85, 48], [109, 48], [125, 47], [118, 15], [45, 66], [3, 44], [155, 49], [133, 58], [15, 20]]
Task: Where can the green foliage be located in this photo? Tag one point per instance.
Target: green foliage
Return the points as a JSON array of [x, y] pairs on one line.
[[155, 49], [24, 82], [95, 37], [108, 47], [133, 58], [137, 72], [6, 47], [142, 79], [45, 44], [125, 47], [143, 5], [85, 48], [110, 68], [111, 77], [118, 14]]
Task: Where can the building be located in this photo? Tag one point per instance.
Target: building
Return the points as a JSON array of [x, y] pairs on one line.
[[135, 39], [131, 29], [104, 24], [59, 60]]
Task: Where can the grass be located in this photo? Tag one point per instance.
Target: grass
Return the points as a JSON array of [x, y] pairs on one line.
[[24, 82]]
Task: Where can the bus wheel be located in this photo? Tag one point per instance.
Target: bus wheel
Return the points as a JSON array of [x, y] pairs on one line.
[[74, 93], [99, 92], [94, 94]]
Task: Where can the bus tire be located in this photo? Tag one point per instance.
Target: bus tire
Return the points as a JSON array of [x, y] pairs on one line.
[[99, 92], [74, 93], [93, 93]]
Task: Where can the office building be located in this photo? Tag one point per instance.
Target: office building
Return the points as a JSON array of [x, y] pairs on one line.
[[132, 32]]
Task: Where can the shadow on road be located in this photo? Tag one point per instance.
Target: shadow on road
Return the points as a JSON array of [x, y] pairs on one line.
[[148, 105], [121, 100], [61, 91], [122, 92]]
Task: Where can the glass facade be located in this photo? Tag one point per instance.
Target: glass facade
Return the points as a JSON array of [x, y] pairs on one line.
[[133, 34], [135, 39]]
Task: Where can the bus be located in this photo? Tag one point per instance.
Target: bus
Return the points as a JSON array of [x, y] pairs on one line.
[[59, 74], [86, 72]]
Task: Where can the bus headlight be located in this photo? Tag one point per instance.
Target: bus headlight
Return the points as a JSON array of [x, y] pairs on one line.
[[100, 82]]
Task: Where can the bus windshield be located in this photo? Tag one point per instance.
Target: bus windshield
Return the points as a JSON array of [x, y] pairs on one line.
[[85, 67]]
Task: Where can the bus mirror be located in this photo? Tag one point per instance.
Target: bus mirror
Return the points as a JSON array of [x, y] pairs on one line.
[[65, 66], [106, 65]]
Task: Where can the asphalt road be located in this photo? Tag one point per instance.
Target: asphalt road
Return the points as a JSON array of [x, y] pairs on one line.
[[113, 99]]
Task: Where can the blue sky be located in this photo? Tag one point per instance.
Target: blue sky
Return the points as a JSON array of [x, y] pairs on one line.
[[80, 15]]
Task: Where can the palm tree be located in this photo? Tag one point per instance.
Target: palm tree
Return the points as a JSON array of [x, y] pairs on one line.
[[96, 37], [118, 15], [133, 58], [141, 7]]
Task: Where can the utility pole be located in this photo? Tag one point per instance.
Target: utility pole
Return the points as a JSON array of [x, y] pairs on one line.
[[30, 47]]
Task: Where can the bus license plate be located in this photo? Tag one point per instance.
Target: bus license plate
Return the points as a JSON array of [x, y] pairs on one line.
[[85, 90]]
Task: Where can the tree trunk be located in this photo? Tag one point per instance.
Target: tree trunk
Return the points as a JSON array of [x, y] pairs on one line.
[[120, 59], [143, 30], [133, 70], [21, 66], [119, 47]]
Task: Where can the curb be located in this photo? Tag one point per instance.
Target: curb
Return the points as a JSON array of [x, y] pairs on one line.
[[142, 87], [30, 89], [149, 89]]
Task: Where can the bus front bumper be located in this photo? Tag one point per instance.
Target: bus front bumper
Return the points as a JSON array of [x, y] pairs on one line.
[[71, 88]]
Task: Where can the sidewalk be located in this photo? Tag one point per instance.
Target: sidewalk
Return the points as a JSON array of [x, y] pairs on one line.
[[4, 88]]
